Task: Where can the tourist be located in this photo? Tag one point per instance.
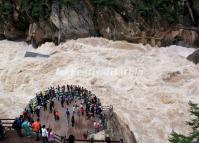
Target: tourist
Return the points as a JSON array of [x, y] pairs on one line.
[[57, 93], [51, 106], [36, 126], [94, 124], [73, 109], [37, 110], [62, 101], [49, 92], [67, 112], [97, 126], [98, 110], [67, 100], [78, 112], [53, 92], [38, 99], [26, 128], [45, 106], [56, 115], [82, 111], [17, 125], [68, 115], [30, 108], [2, 131], [73, 121], [63, 89], [44, 134], [51, 136]]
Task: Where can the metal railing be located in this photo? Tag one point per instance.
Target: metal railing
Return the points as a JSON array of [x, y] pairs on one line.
[[60, 139], [7, 123]]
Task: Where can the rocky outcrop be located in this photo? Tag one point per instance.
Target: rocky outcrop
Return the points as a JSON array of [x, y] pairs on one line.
[[11, 32], [122, 20], [113, 26], [64, 23], [119, 130], [194, 57]]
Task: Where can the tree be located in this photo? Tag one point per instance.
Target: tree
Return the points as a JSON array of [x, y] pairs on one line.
[[36, 9], [6, 11], [194, 123]]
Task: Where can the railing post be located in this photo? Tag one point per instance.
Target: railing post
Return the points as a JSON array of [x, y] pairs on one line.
[[92, 139], [121, 141]]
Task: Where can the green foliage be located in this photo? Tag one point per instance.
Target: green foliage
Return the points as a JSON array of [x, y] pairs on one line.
[[156, 8], [178, 138], [6, 10], [194, 123], [166, 10], [196, 6], [108, 3], [67, 2], [36, 9]]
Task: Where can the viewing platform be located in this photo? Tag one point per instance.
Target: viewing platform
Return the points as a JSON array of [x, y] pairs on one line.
[[74, 99]]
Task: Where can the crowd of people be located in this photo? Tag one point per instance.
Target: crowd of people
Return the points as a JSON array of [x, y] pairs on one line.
[[27, 127], [83, 102]]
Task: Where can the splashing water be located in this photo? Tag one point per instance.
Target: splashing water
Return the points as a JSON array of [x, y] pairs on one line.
[[149, 87]]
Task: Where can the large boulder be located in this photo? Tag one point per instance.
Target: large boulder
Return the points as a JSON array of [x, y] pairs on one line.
[[194, 57], [12, 33], [183, 37]]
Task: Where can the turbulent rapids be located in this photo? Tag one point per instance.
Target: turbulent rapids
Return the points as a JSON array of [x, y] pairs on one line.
[[149, 87]]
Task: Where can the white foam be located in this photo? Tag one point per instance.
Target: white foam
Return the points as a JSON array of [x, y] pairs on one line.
[[139, 81]]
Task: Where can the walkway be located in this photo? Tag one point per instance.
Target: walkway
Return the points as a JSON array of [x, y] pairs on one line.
[[61, 127], [79, 97]]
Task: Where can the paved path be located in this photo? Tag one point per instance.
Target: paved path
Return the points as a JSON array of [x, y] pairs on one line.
[[61, 127]]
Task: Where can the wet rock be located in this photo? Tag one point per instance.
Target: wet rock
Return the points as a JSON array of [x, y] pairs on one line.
[[119, 130], [113, 25], [194, 57], [11, 33]]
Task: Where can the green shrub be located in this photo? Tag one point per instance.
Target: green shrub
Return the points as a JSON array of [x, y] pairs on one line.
[[108, 3], [36, 9], [6, 11], [67, 2], [194, 124]]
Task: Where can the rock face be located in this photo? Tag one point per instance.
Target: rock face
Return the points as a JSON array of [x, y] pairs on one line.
[[194, 57], [69, 22], [120, 130], [119, 20]]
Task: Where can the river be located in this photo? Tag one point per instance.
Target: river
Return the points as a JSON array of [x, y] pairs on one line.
[[149, 87]]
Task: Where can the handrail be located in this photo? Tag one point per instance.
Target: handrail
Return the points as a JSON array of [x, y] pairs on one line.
[[93, 141], [7, 119], [58, 138]]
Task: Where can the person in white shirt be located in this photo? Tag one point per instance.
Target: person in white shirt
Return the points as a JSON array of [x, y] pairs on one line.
[[44, 134]]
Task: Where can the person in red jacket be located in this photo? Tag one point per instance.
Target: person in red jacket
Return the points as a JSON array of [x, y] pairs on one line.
[[36, 127], [82, 111]]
